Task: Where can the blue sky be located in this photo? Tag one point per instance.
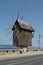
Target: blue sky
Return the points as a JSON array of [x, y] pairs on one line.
[[30, 10]]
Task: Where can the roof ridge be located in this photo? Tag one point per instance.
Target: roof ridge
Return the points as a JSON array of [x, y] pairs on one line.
[[23, 22]]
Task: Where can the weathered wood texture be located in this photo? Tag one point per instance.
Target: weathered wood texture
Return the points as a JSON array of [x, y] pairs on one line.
[[21, 37]]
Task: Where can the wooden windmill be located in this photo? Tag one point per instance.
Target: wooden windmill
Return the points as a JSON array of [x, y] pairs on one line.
[[22, 33]]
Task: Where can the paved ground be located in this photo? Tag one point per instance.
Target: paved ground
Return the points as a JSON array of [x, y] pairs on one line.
[[28, 60], [5, 55]]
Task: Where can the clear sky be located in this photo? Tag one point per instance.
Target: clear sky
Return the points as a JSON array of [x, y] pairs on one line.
[[30, 10]]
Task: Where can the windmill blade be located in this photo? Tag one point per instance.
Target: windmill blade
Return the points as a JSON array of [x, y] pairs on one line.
[[9, 32], [8, 25], [11, 38], [21, 17], [18, 15], [7, 28]]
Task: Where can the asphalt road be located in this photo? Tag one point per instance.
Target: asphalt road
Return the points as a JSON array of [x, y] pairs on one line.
[[29, 60]]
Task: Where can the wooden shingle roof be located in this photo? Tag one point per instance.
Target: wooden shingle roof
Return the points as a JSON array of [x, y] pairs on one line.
[[25, 25]]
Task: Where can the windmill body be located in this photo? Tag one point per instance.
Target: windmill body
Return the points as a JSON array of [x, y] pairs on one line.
[[22, 33]]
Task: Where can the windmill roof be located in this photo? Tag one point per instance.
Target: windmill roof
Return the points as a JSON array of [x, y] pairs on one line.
[[25, 25]]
